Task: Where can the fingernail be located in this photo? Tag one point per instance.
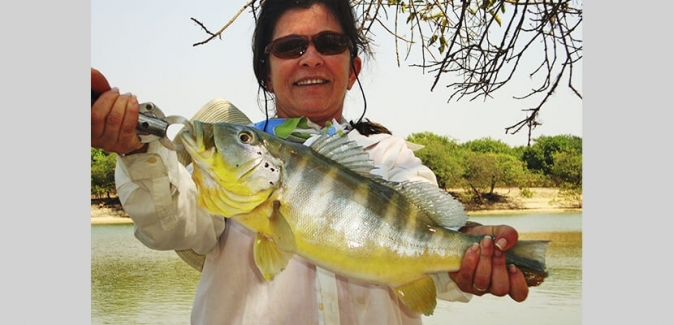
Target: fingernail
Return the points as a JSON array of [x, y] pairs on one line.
[[512, 268], [486, 241], [114, 89], [126, 94], [473, 248], [501, 243]]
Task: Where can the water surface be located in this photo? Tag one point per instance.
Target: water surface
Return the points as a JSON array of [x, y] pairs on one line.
[[131, 284]]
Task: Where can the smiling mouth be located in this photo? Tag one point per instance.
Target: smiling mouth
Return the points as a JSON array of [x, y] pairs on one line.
[[311, 82]]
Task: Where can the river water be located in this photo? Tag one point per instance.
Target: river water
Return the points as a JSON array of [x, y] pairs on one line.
[[131, 284]]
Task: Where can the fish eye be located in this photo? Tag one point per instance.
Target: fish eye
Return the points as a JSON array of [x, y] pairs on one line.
[[245, 137]]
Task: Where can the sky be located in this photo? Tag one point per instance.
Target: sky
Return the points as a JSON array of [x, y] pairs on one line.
[[627, 139], [145, 48]]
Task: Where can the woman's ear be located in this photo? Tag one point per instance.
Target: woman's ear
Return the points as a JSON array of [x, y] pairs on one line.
[[356, 65]]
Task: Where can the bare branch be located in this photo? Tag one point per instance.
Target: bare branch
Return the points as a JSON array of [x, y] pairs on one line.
[[479, 44], [202, 26], [250, 4], [485, 53]]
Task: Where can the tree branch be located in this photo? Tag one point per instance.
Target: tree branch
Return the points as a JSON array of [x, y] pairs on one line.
[[250, 3], [480, 42]]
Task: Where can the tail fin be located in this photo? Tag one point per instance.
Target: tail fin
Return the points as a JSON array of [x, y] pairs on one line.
[[529, 256]]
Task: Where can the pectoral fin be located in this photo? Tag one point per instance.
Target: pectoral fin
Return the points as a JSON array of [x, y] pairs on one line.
[[281, 231], [272, 253], [419, 295], [270, 260]]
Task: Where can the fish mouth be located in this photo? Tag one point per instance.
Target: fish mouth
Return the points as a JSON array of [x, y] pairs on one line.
[[223, 169], [200, 144]]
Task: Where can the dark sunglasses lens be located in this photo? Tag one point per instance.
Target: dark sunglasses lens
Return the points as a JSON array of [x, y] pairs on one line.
[[331, 43], [290, 47]]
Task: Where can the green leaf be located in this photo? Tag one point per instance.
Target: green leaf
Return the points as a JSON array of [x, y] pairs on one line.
[[496, 16], [432, 40]]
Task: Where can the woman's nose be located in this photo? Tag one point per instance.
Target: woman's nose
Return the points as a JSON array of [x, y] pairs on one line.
[[311, 57]]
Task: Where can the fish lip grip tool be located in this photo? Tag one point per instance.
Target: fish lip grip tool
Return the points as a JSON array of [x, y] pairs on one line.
[[153, 124]]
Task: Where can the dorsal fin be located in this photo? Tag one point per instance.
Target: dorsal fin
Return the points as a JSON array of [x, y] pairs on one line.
[[346, 153], [439, 205]]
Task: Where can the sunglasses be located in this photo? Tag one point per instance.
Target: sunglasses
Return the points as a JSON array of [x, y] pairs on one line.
[[294, 46]]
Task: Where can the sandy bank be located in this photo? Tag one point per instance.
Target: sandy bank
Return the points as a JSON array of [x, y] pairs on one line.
[[106, 215], [538, 200], [541, 200]]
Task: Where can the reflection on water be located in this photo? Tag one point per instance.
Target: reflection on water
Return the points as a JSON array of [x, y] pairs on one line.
[[131, 284], [557, 301]]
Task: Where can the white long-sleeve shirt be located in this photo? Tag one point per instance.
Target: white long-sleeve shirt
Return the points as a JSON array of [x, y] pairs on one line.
[[159, 195]]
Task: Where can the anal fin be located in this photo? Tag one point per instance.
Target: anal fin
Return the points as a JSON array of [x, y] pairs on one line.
[[419, 295], [270, 260]]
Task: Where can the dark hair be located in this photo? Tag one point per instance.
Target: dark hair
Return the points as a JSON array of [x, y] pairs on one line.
[[269, 14], [368, 127], [272, 10]]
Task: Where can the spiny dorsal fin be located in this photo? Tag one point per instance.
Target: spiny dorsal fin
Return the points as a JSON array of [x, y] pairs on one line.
[[439, 205], [346, 153]]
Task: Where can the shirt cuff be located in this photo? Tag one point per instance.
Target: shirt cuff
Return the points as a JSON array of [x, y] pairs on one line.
[[448, 290]]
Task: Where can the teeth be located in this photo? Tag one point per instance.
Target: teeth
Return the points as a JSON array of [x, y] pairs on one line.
[[310, 82]]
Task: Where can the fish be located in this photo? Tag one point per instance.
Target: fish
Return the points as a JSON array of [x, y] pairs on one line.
[[323, 203]]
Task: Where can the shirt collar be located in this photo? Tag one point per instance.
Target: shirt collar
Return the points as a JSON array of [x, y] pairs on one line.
[[301, 128]]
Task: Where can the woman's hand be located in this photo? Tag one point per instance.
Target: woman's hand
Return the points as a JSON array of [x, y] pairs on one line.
[[483, 268], [113, 118]]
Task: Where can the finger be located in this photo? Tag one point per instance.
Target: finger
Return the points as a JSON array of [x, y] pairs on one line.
[[518, 285], [113, 123], [128, 135], [505, 237], [464, 276], [99, 115], [109, 140], [99, 84], [482, 278], [475, 229], [500, 278]]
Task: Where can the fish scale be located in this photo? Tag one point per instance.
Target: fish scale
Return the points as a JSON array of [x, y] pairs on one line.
[[322, 203]]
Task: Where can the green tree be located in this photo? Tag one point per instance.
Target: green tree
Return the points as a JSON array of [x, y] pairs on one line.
[[489, 145], [102, 172], [540, 156], [567, 173], [486, 171], [567, 169], [443, 156]]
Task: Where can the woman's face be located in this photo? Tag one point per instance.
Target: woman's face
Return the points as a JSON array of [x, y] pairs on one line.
[[313, 85]]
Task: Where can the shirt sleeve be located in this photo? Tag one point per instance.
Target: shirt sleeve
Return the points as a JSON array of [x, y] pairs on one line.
[[159, 195], [396, 162]]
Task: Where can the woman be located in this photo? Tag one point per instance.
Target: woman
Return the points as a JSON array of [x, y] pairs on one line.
[[305, 57]]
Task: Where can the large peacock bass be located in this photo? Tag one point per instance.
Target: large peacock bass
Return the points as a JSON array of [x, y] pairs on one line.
[[322, 203]]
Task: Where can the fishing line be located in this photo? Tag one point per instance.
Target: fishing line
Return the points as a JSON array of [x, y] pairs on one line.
[[363, 93], [266, 111]]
